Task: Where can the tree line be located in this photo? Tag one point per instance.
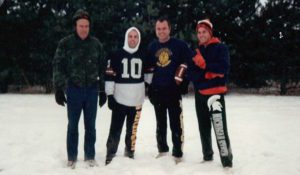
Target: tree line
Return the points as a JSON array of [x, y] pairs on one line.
[[263, 38]]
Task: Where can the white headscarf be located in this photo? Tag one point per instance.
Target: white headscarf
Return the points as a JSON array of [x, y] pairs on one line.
[[126, 47]]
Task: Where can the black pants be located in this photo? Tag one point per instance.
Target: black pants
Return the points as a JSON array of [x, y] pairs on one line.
[[117, 121], [176, 123], [205, 121]]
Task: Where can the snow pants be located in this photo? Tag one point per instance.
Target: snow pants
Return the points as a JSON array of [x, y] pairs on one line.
[[176, 125], [208, 118], [132, 115]]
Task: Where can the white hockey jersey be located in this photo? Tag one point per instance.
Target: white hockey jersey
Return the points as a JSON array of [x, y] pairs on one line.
[[125, 74]]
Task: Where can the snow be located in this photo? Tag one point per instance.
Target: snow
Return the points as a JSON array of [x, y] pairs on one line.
[[263, 2], [264, 133]]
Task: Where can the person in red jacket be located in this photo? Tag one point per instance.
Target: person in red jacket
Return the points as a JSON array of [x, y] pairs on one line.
[[208, 70]]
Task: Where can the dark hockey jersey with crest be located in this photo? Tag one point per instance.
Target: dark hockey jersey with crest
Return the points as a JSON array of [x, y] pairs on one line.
[[166, 58]]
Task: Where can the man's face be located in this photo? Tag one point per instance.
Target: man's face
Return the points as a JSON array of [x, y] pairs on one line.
[[203, 35], [82, 28], [133, 39], [162, 30]]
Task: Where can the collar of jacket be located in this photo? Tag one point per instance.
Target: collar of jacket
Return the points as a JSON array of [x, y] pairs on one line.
[[78, 38], [213, 40]]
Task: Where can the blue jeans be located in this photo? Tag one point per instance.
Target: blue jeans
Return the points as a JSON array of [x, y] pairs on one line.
[[78, 99]]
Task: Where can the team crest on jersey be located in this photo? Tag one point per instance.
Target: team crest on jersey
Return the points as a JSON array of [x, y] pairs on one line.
[[163, 55]]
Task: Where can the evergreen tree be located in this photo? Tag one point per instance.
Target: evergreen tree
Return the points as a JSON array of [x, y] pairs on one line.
[[281, 52], [263, 40]]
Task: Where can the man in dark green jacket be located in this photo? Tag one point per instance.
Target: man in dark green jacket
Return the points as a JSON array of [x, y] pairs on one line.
[[78, 68]]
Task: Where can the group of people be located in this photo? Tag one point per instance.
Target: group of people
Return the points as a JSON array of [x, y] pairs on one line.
[[83, 75]]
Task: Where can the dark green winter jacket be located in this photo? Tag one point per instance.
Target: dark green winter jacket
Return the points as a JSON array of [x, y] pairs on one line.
[[80, 62]]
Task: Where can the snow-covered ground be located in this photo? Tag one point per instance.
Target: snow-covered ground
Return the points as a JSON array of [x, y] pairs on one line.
[[264, 133]]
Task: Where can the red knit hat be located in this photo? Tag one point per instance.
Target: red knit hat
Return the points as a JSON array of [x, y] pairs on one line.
[[205, 24]]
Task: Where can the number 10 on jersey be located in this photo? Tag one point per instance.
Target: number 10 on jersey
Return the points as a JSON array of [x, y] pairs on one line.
[[132, 69]]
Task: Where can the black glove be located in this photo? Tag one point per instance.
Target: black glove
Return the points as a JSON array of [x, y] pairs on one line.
[[184, 87], [60, 97], [112, 102], [146, 89], [102, 98]]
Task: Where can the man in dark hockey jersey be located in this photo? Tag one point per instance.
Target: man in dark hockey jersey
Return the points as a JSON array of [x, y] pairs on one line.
[[168, 56], [124, 85], [208, 70]]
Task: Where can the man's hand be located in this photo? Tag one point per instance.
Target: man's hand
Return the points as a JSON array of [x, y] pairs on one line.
[[60, 97], [102, 98], [112, 102], [179, 74], [199, 60]]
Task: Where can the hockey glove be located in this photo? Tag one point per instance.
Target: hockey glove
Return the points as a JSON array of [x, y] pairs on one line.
[[199, 60], [102, 98], [60, 97], [112, 102]]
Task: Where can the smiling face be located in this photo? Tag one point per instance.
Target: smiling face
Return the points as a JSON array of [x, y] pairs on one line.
[[162, 30], [203, 35], [133, 38], [82, 28]]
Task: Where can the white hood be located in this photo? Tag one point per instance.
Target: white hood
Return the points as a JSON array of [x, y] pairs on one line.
[[126, 47]]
